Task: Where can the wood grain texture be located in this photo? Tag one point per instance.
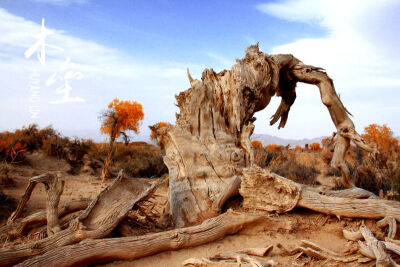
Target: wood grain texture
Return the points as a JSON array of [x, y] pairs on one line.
[[266, 191], [129, 248], [103, 214], [209, 146]]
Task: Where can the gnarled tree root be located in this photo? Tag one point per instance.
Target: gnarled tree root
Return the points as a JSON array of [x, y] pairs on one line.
[[313, 250], [243, 258], [375, 249], [129, 248]]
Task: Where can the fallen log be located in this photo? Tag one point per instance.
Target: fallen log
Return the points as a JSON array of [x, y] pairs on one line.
[[103, 214], [20, 226], [267, 191], [130, 248], [354, 192], [348, 207]]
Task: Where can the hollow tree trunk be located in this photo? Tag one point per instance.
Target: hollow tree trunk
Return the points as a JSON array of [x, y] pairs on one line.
[[209, 146]]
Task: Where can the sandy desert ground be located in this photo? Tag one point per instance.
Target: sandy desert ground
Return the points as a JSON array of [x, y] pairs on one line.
[[300, 224]]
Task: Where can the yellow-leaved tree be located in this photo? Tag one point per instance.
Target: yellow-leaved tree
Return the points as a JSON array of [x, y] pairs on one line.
[[120, 117], [387, 161]]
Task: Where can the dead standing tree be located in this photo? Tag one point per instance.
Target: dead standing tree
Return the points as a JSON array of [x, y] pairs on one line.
[[210, 158], [209, 146]]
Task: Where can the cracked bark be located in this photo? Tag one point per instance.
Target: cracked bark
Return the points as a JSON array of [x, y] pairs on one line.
[[129, 248], [102, 215], [211, 139]]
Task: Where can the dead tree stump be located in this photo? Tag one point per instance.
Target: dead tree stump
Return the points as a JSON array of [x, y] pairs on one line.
[[209, 146]]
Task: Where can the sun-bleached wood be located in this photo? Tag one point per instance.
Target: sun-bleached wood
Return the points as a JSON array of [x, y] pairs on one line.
[[313, 250], [54, 187], [227, 259], [53, 193], [352, 235], [102, 215], [45, 178], [391, 222], [209, 146], [21, 225], [129, 248], [375, 249], [266, 191]]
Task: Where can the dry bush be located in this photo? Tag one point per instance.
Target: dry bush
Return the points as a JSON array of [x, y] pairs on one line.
[[14, 145], [138, 159], [7, 206], [315, 147], [5, 180], [54, 146], [263, 157], [294, 171], [365, 176], [285, 163], [256, 144], [76, 149]]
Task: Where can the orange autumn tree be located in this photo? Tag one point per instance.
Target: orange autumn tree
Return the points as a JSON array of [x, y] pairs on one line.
[[388, 158], [315, 147], [256, 144], [273, 147], [120, 116], [381, 137]]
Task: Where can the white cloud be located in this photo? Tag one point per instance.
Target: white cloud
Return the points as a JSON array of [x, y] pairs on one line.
[[107, 72], [61, 2], [221, 60], [360, 56]]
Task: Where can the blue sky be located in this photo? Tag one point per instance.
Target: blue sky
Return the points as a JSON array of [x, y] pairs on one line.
[[139, 50]]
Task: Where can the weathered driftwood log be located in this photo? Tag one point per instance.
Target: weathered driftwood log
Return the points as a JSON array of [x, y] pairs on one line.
[[375, 249], [54, 188], [354, 192], [242, 258], [313, 250], [352, 235], [45, 178], [129, 248], [391, 222], [267, 191], [53, 194], [97, 221], [210, 144], [21, 225]]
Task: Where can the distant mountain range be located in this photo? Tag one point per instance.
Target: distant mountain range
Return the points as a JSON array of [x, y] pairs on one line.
[[267, 139]]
